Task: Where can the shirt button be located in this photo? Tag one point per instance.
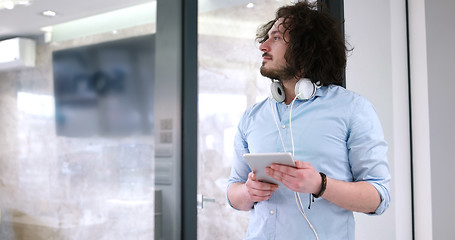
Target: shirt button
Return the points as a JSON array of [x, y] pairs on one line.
[[283, 126], [272, 212]]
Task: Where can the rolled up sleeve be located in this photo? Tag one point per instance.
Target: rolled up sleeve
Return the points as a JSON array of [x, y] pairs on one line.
[[368, 152], [240, 169]]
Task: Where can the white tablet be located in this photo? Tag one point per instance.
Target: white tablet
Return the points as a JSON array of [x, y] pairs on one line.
[[258, 162]]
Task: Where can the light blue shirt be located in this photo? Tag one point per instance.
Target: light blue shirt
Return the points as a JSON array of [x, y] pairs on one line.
[[339, 133]]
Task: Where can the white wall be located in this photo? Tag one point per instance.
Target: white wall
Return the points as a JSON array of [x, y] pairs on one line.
[[377, 69], [440, 18], [432, 61]]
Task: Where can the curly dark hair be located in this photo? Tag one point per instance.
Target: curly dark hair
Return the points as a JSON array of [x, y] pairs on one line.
[[315, 43]]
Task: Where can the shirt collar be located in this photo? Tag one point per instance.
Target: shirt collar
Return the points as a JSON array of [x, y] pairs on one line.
[[321, 91]]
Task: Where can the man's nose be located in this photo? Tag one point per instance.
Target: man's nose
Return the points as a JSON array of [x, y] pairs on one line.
[[264, 47]]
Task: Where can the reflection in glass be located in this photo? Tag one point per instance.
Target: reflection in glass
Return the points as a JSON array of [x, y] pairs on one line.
[[77, 154], [104, 89]]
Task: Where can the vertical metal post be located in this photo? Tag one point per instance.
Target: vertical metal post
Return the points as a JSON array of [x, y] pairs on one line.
[[189, 120], [335, 8]]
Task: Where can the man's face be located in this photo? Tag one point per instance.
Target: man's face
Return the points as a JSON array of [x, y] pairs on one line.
[[274, 65]]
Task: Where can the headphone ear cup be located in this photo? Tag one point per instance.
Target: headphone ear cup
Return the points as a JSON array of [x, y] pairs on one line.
[[277, 91], [305, 89]]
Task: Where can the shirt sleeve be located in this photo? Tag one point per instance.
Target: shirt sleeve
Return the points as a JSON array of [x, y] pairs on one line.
[[240, 169], [367, 151]]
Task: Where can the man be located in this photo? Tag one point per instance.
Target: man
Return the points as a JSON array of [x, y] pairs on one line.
[[334, 134]]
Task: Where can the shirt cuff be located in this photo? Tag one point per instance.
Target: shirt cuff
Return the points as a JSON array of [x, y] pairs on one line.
[[385, 199]]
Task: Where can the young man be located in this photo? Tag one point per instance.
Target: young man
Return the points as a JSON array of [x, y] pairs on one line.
[[334, 134]]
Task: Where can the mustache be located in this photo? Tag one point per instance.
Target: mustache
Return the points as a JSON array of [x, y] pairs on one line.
[[266, 55]]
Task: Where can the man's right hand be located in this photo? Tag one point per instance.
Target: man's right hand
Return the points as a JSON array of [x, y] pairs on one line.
[[259, 191], [242, 196]]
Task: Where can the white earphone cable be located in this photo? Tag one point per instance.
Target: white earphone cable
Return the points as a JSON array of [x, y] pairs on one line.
[[298, 200], [290, 124], [277, 127], [296, 194], [302, 211]]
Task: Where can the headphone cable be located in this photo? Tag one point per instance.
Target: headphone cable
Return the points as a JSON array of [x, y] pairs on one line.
[[298, 200]]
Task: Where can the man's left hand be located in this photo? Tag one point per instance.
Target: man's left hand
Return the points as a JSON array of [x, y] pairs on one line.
[[303, 178]]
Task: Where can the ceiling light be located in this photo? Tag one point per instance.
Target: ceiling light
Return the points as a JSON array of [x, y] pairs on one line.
[[10, 4], [47, 29], [49, 13], [47, 33], [250, 5]]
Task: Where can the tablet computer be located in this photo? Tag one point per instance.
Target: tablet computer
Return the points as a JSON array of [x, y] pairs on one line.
[[258, 162]]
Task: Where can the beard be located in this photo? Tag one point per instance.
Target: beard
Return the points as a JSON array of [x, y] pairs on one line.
[[278, 74]]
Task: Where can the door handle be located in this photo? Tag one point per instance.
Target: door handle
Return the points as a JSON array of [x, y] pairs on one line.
[[201, 199]]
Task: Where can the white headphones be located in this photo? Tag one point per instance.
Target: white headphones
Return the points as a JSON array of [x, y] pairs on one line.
[[304, 90]]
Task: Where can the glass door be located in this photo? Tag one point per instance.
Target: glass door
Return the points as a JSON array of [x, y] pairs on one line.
[[229, 82]]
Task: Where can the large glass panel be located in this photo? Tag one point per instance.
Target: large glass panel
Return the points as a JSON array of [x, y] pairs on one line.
[[229, 81], [77, 131]]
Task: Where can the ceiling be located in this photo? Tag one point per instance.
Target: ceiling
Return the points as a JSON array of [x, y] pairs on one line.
[[27, 21]]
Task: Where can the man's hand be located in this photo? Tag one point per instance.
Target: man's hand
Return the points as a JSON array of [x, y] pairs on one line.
[[243, 195], [303, 178], [259, 191], [354, 196]]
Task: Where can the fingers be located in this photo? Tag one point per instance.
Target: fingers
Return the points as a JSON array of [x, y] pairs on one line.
[[259, 191], [299, 178], [257, 185], [292, 171], [252, 176], [282, 174], [301, 164], [259, 195], [281, 170], [298, 165]]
